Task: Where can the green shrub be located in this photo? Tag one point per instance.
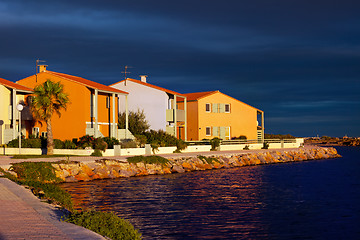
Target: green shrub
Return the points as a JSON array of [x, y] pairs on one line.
[[105, 223], [141, 139], [215, 143], [148, 159], [35, 171], [86, 141], [162, 139], [27, 143], [97, 153], [52, 192], [181, 145], [111, 141], [265, 145], [68, 144], [137, 122], [208, 160], [241, 137], [100, 144], [155, 147], [58, 144]]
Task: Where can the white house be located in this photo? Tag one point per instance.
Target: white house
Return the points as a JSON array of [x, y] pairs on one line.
[[158, 104]]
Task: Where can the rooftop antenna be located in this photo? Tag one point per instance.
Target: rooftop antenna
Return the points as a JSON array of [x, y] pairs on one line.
[[125, 72], [38, 61]]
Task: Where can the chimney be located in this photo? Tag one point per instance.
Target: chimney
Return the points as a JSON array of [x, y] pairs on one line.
[[143, 78], [42, 68]]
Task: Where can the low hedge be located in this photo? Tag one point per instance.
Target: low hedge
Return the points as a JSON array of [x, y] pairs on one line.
[[106, 224]]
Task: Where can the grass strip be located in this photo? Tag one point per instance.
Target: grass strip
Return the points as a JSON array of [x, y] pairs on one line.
[[148, 159], [208, 160]]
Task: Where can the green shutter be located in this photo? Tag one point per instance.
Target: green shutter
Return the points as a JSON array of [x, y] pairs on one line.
[[215, 131], [222, 107], [215, 107], [222, 133]]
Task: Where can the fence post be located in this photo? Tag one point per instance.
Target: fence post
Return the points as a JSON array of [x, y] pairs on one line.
[[282, 143], [147, 149], [117, 150]]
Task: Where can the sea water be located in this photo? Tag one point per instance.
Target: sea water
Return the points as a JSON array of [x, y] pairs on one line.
[[317, 199]]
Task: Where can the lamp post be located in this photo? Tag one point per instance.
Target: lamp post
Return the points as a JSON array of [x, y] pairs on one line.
[[19, 107]]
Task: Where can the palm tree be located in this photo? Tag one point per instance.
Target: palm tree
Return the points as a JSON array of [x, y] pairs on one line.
[[49, 97]]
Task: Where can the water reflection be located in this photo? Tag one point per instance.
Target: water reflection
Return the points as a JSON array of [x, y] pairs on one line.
[[206, 204], [304, 200]]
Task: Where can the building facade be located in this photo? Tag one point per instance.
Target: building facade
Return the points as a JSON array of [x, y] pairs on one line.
[[214, 114], [93, 107], [158, 104], [12, 94]]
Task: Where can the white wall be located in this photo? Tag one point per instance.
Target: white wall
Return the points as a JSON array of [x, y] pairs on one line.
[[154, 102]]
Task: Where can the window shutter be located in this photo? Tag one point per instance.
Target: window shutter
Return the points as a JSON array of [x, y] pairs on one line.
[[215, 131], [215, 107], [222, 107], [222, 133]]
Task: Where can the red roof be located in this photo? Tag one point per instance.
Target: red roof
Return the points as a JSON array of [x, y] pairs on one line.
[[15, 86], [198, 95], [150, 85], [88, 83]]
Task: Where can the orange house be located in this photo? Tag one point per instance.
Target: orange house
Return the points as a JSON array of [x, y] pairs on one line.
[[214, 114], [92, 109]]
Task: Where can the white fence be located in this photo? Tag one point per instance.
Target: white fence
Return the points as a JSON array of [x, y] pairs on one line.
[[225, 146]]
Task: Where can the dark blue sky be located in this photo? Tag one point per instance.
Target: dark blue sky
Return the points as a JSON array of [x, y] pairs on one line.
[[299, 61]]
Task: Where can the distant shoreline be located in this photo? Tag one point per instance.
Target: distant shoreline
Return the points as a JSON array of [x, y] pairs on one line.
[[328, 141]]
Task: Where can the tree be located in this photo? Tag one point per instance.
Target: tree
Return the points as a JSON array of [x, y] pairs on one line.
[[137, 122], [49, 97]]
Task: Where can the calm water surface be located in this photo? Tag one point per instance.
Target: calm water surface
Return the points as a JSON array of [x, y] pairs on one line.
[[305, 200]]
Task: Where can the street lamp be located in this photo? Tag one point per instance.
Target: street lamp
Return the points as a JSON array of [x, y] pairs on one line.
[[19, 107]]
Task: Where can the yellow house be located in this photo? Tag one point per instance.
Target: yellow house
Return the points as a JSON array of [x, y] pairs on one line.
[[214, 114], [11, 94]]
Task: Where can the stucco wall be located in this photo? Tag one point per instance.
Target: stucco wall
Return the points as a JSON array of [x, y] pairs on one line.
[[5, 101], [72, 123], [154, 102], [242, 118], [4, 108]]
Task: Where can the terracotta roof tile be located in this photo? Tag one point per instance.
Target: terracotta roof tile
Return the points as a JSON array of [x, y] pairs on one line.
[[198, 95], [16, 86], [87, 83], [150, 85]]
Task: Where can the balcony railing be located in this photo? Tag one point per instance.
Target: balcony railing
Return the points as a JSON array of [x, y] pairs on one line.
[[180, 115]]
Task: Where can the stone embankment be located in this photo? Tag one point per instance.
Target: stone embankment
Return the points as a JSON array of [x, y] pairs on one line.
[[110, 168]]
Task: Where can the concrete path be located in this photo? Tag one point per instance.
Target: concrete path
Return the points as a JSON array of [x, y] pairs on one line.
[[23, 216]]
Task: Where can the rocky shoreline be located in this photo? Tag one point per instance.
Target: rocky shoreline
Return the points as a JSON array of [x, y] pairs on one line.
[[110, 168]]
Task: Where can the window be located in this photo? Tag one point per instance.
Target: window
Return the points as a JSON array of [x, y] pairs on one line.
[[207, 107], [107, 102], [35, 132], [208, 131], [227, 108], [44, 134]]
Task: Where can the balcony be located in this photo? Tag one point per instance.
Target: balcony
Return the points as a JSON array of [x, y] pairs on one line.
[[180, 115], [170, 130]]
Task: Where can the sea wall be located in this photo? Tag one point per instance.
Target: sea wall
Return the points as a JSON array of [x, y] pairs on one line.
[[110, 168]]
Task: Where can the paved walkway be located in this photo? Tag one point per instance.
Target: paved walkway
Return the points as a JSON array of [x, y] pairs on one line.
[[23, 216]]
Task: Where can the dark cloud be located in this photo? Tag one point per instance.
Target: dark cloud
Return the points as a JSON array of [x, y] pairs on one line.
[[296, 60]]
